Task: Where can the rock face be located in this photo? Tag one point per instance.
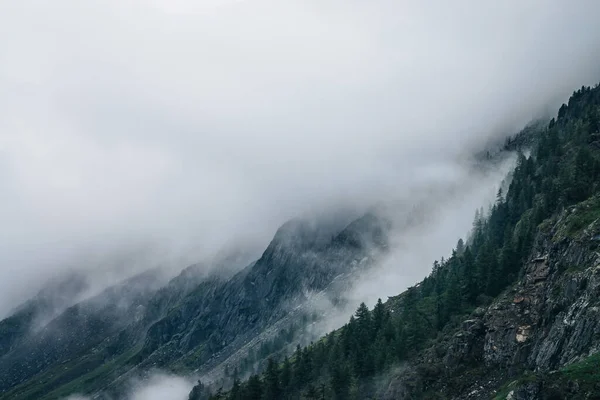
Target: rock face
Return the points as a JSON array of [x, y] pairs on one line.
[[194, 323], [299, 261], [549, 319]]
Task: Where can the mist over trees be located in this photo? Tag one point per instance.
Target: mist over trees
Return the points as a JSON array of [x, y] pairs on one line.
[[210, 122], [563, 169], [141, 137]]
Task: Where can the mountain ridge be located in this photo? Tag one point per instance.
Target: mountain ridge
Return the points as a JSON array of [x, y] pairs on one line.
[[174, 325]]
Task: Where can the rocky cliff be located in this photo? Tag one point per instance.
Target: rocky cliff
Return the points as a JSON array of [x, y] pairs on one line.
[[533, 340]]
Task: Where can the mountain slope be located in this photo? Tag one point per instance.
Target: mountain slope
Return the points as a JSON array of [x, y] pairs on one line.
[[33, 314], [512, 314], [292, 266], [196, 321]]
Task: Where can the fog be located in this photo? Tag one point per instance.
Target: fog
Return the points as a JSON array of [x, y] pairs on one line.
[[447, 216], [428, 225], [161, 386], [158, 386], [160, 131]]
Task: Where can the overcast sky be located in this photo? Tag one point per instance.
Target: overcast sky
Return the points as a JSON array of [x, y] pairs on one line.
[[181, 124]]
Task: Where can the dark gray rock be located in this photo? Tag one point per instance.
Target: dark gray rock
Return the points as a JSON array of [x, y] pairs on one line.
[[547, 320]]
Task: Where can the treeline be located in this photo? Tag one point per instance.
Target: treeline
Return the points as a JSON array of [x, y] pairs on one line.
[[563, 169]]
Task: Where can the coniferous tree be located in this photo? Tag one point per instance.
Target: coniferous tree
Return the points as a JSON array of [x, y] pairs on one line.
[[378, 317], [453, 295], [199, 392], [340, 381], [253, 389], [286, 374], [460, 247], [272, 388], [470, 288], [412, 327], [311, 393], [236, 390]]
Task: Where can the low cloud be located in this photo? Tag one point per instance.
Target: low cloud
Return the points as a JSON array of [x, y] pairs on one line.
[[181, 127], [161, 387], [428, 225], [158, 386]]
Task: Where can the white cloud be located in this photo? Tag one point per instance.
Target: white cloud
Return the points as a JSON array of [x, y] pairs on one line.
[[157, 386], [161, 386], [184, 124]]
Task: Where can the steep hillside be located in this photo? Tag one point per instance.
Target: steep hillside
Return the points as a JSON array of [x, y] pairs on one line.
[[513, 313], [195, 322], [34, 313], [530, 340], [77, 341]]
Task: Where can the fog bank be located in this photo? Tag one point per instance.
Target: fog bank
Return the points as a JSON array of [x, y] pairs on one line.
[[183, 126]]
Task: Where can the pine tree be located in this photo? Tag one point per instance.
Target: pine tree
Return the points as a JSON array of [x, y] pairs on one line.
[[412, 325], [272, 388], [199, 392], [311, 393], [470, 289], [253, 389], [453, 295], [460, 247], [286, 374], [340, 381], [236, 390], [378, 317]]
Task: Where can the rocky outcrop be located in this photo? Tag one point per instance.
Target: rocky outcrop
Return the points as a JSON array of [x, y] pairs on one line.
[[548, 319], [296, 263]]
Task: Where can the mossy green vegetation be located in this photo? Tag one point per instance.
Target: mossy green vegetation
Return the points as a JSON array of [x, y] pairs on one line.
[[580, 380], [585, 372], [582, 216]]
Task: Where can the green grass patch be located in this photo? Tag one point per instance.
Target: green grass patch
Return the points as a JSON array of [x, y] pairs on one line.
[[583, 215], [574, 269], [585, 372], [546, 225]]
